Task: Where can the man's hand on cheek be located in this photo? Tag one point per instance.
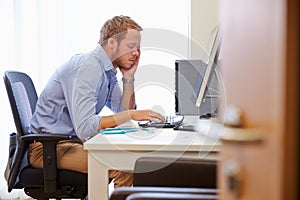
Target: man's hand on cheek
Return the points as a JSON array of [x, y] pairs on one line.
[[129, 72]]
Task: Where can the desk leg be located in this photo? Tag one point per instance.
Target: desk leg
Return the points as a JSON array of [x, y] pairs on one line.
[[97, 179]]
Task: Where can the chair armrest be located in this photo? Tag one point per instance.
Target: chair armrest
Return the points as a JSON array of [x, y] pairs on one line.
[[46, 137], [122, 193], [49, 142], [170, 196]]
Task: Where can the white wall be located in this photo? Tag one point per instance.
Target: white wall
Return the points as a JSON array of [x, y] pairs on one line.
[[204, 18]]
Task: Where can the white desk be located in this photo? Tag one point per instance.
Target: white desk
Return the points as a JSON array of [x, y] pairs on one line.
[[120, 151]]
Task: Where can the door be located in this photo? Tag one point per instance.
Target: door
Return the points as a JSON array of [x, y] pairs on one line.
[[260, 62]]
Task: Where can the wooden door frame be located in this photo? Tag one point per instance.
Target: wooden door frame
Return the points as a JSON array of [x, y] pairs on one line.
[[290, 167]]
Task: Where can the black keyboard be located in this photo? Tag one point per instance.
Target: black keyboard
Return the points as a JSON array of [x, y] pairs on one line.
[[171, 122]]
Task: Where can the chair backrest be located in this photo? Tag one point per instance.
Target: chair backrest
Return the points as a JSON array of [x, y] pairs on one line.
[[22, 97], [182, 172]]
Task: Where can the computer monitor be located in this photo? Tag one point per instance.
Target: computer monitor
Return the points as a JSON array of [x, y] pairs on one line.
[[197, 84], [209, 72]]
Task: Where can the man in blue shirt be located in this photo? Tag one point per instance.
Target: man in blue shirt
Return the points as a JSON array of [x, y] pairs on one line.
[[80, 88]]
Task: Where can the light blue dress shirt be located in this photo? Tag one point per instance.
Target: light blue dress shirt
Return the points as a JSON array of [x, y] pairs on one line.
[[75, 94]]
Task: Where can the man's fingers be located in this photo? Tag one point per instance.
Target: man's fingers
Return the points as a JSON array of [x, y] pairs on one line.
[[154, 116]]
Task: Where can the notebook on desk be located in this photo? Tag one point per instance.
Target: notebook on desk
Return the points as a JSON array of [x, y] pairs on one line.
[[171, 122]]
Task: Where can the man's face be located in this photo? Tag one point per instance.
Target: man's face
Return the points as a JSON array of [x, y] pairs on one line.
[[128, 50]]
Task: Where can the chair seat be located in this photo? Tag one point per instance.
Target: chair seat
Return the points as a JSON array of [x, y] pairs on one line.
[[33, 177]]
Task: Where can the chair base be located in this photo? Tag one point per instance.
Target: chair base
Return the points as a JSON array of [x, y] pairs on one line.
[[63, 193]]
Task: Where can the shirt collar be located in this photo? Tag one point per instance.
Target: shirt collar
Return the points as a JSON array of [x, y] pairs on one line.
[[102, 57]]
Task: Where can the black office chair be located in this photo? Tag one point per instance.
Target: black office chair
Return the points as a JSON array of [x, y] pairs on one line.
[[48, 182], [170, 172], [163, 193], [163, 178], [171, 196]]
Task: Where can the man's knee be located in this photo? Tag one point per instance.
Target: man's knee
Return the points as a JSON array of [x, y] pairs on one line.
[[121, 178]]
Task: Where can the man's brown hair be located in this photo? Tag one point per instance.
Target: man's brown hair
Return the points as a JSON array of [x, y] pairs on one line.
[[117, 28]]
